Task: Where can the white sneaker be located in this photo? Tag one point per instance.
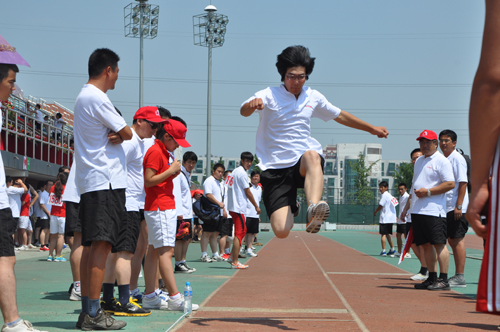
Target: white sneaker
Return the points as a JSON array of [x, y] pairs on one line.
[[420, 277], [397, 254], [154, 303], [251, 254], [218, 258], [75, 296], [408, 255], [206, 259], [316, 215], [178, 305], [22, 326], [23, 248]]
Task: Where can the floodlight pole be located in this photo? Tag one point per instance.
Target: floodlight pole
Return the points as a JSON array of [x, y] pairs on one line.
[[141, 57], [209, 103]]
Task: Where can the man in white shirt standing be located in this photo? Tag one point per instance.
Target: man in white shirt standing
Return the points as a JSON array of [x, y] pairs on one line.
[[252, 217], [237, 194], [402, 229], [289, 157], [8, 301], [101, 179], [432, 179], [388, 217], [457, 201]]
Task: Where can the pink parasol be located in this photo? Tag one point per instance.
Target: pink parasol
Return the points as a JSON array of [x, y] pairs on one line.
[[8, 54]]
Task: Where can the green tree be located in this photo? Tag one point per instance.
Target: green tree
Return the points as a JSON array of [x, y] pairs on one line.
[[254, 164], [363, 193], [403, 173]]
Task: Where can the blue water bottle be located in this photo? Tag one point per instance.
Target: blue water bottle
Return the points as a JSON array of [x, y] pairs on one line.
[[188, 298]]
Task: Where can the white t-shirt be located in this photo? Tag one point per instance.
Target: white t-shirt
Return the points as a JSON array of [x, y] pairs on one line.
[[44, 199], [134, 155], [101, 164], [4, 199], [224, 196], [237, 182], [15, 194], [70, 193], [257, 195], [388, 213], [182, 194], [284, 132], [59, 123], [39, 116], [459, 166], [402, 203], [212, 186], [430, 172]]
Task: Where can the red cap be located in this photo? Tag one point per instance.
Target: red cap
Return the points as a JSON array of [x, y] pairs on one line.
[[428, 134], [196, 191], [149, 113], [178, 132]]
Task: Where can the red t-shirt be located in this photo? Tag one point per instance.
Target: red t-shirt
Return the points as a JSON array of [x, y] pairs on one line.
[[58, 206], [25, 208], [159, 196]]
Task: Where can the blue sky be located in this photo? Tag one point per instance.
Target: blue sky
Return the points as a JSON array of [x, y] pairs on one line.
[[407, 65]]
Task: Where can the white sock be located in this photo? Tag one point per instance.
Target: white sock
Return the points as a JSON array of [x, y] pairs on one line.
[[249, 250], [183, 261], [203, 253], [215, 254], [134, 291], [175, 297]]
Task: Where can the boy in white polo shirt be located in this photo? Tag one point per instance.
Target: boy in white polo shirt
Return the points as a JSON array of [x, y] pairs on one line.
[[101, 180], [289, 157], [402, 229], [238, 193], [387, 217]]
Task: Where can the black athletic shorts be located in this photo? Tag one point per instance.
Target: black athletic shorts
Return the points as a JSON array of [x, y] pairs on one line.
[[210, 228], [8, 227], [130, 229], [456, 228], [401, 228], [225, 227], [73, 223], [187, 236], [101, 214], [428, 229], [42, 223], [385, 229], [252, 225], [141, 211], [280, 186], [196, 221]]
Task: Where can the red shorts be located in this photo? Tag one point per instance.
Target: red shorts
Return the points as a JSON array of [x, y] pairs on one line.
[[240, 227]]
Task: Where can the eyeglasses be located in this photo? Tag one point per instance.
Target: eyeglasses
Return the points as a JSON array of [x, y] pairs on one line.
[[445, 140], [153, 125], [293, 77]]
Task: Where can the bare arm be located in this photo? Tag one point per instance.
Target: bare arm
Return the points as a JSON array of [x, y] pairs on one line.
[[21, 183], [250, 197], [349, 120], [212, 199], [462, 186], [152, 179], [377, 210], [405, 209], [34, 197], [42, 206], [438, 190], [248, 108]]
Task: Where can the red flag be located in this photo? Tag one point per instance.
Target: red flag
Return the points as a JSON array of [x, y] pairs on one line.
[[406, 248]]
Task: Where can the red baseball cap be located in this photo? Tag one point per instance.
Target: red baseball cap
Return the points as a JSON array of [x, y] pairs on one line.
[[196, 191], [149, 113], [428, 134], [178, 132]]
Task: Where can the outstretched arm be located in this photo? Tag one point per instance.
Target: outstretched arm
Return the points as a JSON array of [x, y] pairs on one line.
[[349, 120], [248, 108]]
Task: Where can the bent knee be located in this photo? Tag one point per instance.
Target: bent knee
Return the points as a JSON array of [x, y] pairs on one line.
[[281, 234]]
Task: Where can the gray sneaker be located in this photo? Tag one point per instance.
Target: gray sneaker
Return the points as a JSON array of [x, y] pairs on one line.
[[316, 214], [457, 281], [102, 321], [81, 318]]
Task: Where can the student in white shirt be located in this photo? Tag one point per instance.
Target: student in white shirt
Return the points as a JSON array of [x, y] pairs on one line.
[[101, 179], [238, 193], [388, 217], [401, 229], [252, 217], [226, 226], [457, 201], [287, 153]]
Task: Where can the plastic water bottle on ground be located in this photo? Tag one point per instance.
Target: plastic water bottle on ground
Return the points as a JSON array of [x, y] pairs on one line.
[[188, 298]]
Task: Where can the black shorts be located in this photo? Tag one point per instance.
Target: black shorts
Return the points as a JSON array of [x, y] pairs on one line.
[[73, 223], [42, 223], [101, 213], [8, 227], [456, 228], [385, 229], [401, 228], [141, 212], [252, 225], [428, 229], [196, 221], [210, 228], [187, 236], [280, 187], [130, 229], [225, 227]]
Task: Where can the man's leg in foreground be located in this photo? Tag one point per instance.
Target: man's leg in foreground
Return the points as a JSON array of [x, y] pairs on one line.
[[8, 301], [75, 259], [399, 240], [282, 221], [382, 241]]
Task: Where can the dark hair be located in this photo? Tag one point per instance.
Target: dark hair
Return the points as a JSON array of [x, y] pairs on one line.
[[62, 169], [402, 184], [58, 115], [161, 132], [246, 156], [164, 112], [189, 155], [294, 56], [383, 184], [450, 133], [62, 178], [217, 165], [5, 68], [254, 173], [41, 183], [101, 59], [415, 151], [176, 118], [8, 179], [38, 105], [227, 171]]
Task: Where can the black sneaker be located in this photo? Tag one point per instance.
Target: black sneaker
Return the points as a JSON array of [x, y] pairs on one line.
[[109, 307], [439, 284], [181, 268], [131, 309], [81, 318], [423, 285], [192, 269], [70, 289], [102, 321]]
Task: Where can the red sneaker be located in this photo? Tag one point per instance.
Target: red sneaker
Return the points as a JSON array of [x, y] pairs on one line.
[[226, 256], [44, 248]]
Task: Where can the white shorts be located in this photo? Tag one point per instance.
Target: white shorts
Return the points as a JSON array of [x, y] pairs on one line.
[[162, 227], [24, 223], [57, 224]]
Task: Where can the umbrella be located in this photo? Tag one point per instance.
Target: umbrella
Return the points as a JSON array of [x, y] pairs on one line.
[[407, 246], [8, 54]]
